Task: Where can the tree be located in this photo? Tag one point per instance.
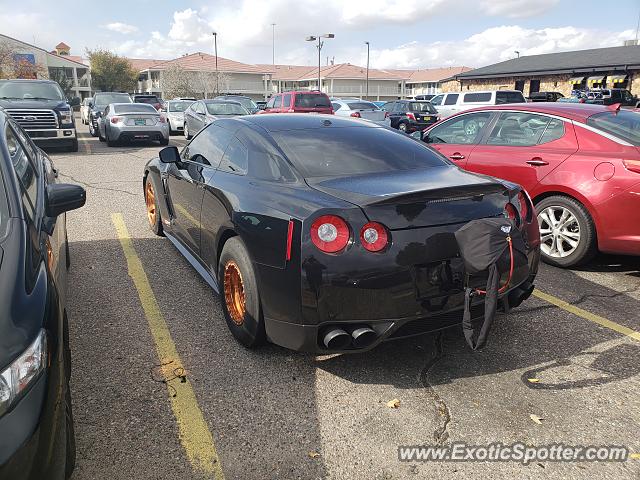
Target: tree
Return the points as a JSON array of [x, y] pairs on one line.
[[110, 72], [213, 83], [176, 83], [66, 83], [16, 65]]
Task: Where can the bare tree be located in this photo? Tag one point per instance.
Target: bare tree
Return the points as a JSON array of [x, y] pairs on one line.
[[211, 83], [177, 82], [12, 66]]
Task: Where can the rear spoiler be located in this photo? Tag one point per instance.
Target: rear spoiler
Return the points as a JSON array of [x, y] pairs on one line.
[[446, 194]]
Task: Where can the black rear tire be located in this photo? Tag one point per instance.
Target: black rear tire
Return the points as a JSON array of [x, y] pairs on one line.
[[249, 329], [74, 146], [587, 246], [164, 141]]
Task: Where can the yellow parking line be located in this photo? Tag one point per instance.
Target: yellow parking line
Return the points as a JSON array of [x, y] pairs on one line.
[[193, 431], [592, 317]]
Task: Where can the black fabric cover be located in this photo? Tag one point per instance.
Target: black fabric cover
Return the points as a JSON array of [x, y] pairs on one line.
[[485, 250]]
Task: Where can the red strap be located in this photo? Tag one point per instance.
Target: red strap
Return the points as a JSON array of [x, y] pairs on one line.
[[506, 285]]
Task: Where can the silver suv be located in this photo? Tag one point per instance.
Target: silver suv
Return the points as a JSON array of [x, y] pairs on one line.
[[449, 103]]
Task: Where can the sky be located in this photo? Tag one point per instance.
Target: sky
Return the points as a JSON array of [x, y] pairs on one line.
[[402, 34]]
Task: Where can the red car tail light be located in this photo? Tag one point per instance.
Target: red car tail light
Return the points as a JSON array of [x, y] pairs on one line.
[[356, 114], [115, 119], [411, 116], [632, 165], [374, 237], [511, 213], [330, 233]]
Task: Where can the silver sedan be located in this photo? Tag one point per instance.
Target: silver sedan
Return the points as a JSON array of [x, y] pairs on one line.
[[359, 109], [203, 112], [132, 121]]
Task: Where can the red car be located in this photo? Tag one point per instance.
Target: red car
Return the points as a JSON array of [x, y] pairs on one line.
[[580, 164], [299, 102]]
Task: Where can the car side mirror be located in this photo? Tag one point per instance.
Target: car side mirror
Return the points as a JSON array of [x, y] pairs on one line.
[[170, 155], [64, 197]]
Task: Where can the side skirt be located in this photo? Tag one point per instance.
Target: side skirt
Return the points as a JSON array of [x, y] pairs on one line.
[[204, 273]]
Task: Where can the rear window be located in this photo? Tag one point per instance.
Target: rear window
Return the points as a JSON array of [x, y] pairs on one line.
[[134, 108], [477, 97], [312, 100], [362, 106], [179, 106], [150, 100], [623, 124], [422, 107], [509, 97], [321, 152], [107, 98]]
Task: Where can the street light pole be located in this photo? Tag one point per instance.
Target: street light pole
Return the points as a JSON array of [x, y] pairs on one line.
[[215, 47], [273, 43], [367, 84], [313, 38]]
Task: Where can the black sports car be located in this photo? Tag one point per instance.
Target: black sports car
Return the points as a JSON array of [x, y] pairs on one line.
[[326, 234], [36, 423]]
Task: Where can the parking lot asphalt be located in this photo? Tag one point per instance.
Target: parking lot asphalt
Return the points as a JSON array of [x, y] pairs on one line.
[[274, 413]]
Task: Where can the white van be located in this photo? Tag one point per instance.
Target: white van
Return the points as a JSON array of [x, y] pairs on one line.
[[449, 103]]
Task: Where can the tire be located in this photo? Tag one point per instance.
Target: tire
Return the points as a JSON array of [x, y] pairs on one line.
[[92, 131], [246, 323], [100, 137], [153, 212], [110, 143], [164, 142], [74, 146], [403, 127], [186, 132], [557, 243], [70, 460]]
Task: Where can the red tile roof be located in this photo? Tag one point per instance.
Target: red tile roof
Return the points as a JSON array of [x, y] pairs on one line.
[[204, 62], [435, 74], [62, 46], [140, 64]]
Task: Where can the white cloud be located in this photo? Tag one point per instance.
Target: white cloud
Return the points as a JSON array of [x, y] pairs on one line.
[[120, 27], [517, 8], [494, 45]]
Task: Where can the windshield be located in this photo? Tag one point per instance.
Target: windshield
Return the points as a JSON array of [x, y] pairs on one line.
[[312, 100], [178, 106], [105, 99], [623, 124], [30, 90], [354, 151], [425, 107], [134, 108], [244, 101], [226, 109]]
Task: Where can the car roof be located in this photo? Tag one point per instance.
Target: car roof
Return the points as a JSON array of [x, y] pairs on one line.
[[573, 111], [26, 80], [128, 104], [211, 101], [274, 122]]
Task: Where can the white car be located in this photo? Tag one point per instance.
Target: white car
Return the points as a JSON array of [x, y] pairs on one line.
[[175, 114], [359, 109], [453, 102]]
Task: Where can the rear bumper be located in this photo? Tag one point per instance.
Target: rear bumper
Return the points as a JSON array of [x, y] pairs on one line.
[[142, 134], [308, 338]]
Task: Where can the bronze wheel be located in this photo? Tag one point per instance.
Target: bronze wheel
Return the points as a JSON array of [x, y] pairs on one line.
[[234, 292], [150, 199]]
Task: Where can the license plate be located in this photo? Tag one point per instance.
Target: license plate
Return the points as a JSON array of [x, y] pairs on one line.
[[140, 121], [427, 119]]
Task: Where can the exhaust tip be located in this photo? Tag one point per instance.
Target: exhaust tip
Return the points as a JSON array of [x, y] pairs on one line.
[[336, 339], [363, 337]]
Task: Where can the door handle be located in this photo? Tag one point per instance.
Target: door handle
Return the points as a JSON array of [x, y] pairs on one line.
[[537, 162], [457, 156]]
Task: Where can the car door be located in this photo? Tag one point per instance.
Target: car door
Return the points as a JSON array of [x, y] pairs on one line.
[[456, 137], [286, 103], [185, 184], [102, 122], [200, 116], [523, 147]]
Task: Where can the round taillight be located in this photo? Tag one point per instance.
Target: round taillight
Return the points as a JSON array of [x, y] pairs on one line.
[[330, 233], [511, 213], [374, 237]]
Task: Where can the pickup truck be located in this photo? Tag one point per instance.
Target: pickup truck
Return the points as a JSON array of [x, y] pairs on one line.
[[40, 107]]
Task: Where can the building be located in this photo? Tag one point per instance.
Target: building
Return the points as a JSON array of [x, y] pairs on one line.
[[235, 77], [559, 72], [428, 81], [55, 64]]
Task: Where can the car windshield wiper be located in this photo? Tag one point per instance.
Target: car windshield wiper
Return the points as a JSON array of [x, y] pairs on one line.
[[10, 98], [41, 98]]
